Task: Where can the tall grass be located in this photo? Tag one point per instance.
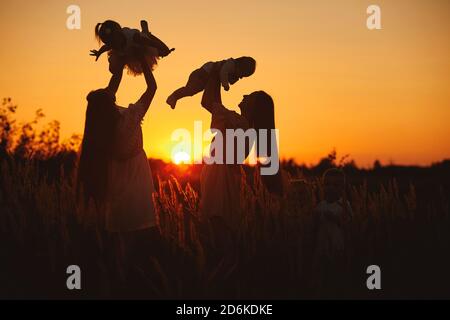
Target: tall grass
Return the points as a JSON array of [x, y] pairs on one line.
[[269, 253]]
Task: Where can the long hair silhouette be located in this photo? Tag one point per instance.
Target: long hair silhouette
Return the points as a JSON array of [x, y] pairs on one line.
[[263, 117], [97, 147]]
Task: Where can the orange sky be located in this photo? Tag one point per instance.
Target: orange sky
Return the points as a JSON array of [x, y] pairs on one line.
[[373, 94]]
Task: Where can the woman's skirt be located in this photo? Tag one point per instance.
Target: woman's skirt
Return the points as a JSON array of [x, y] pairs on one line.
[[131, 187], [220, 192]]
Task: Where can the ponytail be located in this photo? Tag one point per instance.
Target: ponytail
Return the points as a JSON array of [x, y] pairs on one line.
[[104, 30], [97, 32]]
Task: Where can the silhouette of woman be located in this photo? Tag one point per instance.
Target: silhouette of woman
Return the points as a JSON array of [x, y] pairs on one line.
[[220, 183], [114, 172]]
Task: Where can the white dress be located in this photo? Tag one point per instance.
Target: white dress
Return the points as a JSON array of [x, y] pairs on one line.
[[129, 35], [130, 179], [221, 183]]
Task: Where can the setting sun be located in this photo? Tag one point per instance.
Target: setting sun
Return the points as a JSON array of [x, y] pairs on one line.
[[181, 157], [201, 151]]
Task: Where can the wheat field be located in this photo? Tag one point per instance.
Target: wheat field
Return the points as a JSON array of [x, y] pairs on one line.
[[269, 254]]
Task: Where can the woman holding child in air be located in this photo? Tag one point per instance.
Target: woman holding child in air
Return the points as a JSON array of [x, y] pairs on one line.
[[113, 167], [114, 173], [221, 183]]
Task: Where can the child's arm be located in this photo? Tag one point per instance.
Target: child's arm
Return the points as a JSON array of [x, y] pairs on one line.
[[98, 53]]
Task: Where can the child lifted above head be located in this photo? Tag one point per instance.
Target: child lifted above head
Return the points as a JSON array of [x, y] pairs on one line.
[[129, 45], [231, 70]]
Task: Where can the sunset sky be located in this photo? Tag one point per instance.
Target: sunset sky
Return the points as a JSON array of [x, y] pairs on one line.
[[381, 94]]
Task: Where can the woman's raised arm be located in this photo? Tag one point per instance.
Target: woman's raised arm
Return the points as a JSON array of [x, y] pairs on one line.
[[116, 78], [148, 95], [212, 95]]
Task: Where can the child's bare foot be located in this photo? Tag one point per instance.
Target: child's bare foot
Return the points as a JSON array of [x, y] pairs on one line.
[[144, 27], [172, 101]]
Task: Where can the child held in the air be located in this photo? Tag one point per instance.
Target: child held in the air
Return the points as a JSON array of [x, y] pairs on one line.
[[231, 70], [129, 45]]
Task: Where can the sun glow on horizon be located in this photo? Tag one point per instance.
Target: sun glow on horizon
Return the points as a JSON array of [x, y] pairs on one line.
[[374, 94], [181, 157]]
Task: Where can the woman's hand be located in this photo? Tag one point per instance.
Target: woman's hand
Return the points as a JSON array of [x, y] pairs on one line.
[[116, 64]]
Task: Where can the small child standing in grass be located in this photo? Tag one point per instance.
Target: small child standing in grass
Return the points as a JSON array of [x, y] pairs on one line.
[[332, 213]]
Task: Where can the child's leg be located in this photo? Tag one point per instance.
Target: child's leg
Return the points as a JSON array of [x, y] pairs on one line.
[[144, 27], [180, 93], [196, 84], [152, 41]]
